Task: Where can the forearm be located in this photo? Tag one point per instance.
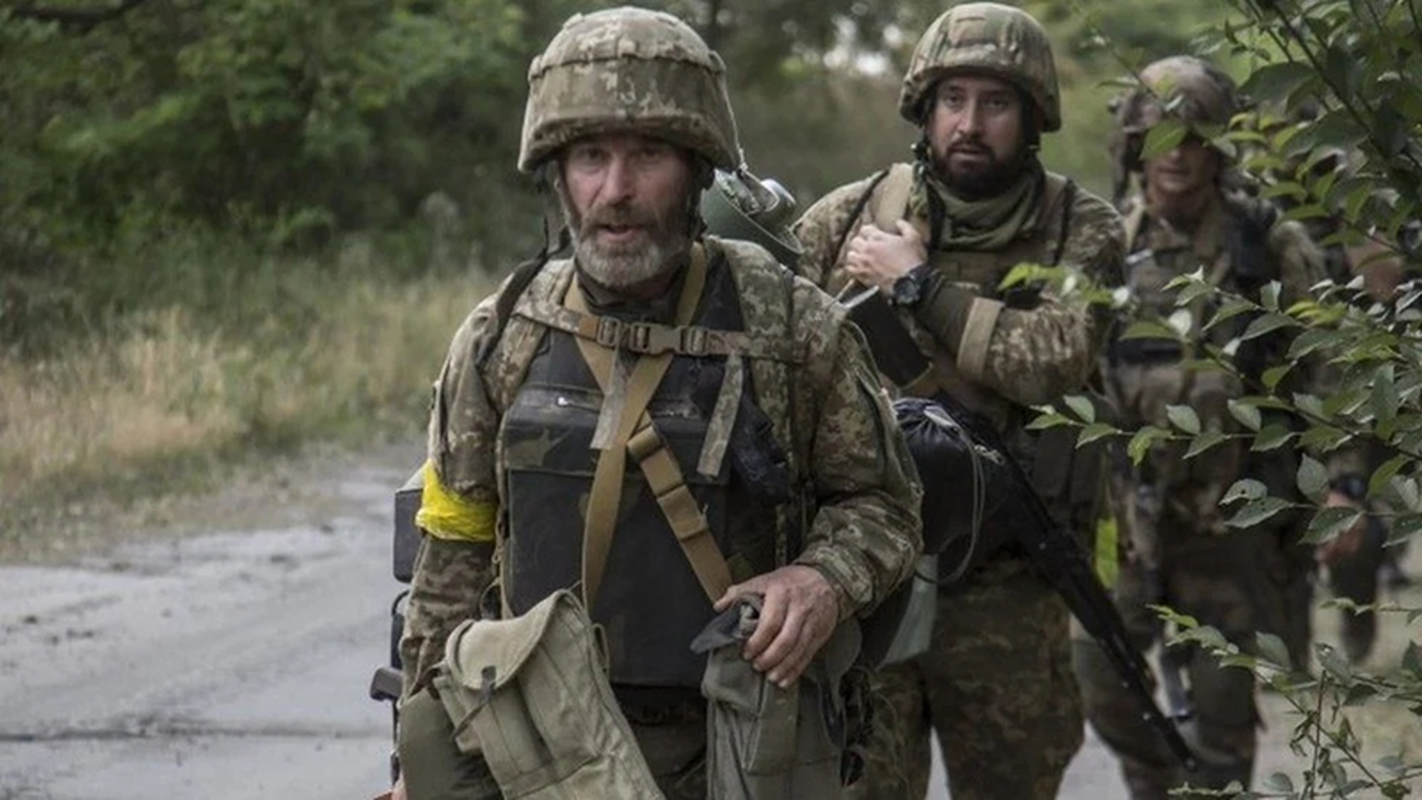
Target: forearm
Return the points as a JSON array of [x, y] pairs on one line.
[[864, 547], [1029, 356], [866, 534], [449, 578]]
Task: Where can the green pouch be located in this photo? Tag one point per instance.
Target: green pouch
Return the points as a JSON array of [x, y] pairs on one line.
[[531, 695]]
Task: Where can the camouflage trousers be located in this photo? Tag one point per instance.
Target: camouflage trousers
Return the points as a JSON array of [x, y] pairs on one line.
[[996, 687], [1234, 582], [673, 740]]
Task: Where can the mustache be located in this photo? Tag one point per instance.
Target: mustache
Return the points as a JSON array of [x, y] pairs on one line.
[[620, 216]]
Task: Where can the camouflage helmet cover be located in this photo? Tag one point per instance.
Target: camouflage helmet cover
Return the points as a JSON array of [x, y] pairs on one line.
[[1195, 91], [632, 70], [991, 38]]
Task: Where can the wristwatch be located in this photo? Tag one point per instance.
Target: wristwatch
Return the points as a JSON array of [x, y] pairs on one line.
[[908, 288]]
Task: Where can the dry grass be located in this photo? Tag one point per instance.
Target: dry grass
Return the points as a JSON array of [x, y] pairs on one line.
[[171, 393]]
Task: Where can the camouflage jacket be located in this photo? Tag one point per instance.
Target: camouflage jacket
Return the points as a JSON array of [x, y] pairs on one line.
[[1240, 244], [997, 354], [828, 411]]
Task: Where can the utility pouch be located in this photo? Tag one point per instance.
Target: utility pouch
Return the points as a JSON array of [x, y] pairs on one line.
[[764, 742], [531, 695]]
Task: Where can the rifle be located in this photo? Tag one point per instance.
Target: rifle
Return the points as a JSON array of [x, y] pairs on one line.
[[1056, 553]]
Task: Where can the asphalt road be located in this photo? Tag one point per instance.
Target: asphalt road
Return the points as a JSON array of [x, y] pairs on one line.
[[235, 663]]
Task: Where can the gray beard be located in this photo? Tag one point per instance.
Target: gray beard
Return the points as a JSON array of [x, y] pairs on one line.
[[624, 267], [616, 268]]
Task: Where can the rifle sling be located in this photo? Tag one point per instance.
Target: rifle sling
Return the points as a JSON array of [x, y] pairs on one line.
[[637, 435]]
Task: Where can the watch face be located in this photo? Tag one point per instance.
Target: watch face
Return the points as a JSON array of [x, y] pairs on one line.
[[906, 290]]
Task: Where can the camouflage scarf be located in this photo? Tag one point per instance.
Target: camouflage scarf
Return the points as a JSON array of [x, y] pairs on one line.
[[987, 224]]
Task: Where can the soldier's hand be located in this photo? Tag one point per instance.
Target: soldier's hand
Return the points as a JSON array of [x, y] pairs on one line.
[[797, 616], [876, 258]]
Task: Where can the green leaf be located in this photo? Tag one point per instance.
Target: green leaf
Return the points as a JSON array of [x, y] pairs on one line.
[[1309, 341], [1277, 81], [1183, 418], [1150, 329], [1246, 414], [1312, 476], [1084, 409], [1194, 291], [1257, 511], [1267, 324], [1385, 400], [1328, 523], [1244, 489], [1141, 442], [1311, 405], [1204, 442], [1404, 527], [1094, 431], [1272, 437], [1269, 296], [1273, 650], [1232, 308], [1273, 376], [1412, 659], [1163, 137], [1279, 782], [1382, 476], [1325, 438], [1048, 420]]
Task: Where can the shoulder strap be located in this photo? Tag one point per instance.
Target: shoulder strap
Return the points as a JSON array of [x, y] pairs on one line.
[[892, 200], [1068, 199], [518, 281], [859, 206]]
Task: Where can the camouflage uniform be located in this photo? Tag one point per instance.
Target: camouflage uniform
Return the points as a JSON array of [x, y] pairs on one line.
[[1181, 553], [998, 677], [853, 510]]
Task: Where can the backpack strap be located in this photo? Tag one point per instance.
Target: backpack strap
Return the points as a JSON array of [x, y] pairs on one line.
[[886, 199], [518, 281], [893, 198], [1067, 199]]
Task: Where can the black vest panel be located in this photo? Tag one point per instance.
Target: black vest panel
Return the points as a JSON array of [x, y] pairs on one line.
[[650, 603]]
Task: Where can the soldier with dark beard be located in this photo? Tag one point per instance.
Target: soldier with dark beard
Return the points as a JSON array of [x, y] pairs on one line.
[[937, 237], [668, 425]]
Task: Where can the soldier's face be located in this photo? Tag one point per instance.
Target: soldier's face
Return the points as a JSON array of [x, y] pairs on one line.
[[626, 196], [1183, 172], [976, 131]]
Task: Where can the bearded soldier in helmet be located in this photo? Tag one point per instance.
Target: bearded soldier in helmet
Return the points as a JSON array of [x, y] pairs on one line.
[[664, 426], [937, 237], [1186, 217]]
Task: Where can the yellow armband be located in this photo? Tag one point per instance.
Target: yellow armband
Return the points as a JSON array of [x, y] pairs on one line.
[[444, 514]]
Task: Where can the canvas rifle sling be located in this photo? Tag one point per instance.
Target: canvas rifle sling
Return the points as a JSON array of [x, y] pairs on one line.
[[637, 435]]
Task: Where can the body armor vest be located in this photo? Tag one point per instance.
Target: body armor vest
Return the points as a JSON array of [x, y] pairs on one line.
[[549, 466]]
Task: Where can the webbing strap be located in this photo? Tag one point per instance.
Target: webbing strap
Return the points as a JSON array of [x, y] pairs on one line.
[[650, 338], [670, 489]]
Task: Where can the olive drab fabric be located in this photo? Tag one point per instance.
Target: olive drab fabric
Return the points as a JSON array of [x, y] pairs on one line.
[[765, 742], [628, 68], [530, 695], [988, 38], [997, 352]]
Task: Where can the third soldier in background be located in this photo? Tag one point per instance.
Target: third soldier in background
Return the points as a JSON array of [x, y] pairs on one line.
[[1185, 217], [937, 237]]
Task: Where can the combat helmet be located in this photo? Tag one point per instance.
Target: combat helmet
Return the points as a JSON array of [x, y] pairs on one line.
[[990, 38], [1195, 92], [628, 69]]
